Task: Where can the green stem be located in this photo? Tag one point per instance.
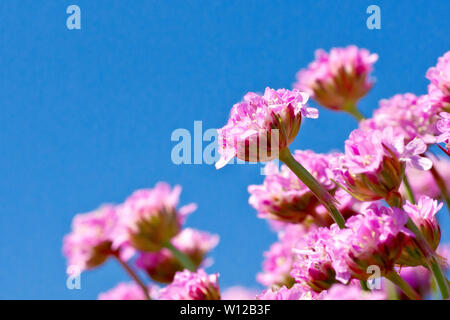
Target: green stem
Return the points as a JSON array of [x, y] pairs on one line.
[[182, 258], [441, 185], [353, 110], [409, 191], [325, 198], [395, 278], [133, 275], [432, 262]]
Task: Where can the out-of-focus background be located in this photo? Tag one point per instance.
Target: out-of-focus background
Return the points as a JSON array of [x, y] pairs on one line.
[[86, 115]]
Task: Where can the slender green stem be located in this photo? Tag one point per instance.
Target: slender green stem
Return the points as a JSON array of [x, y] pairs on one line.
[[133, 275], [409, 191], [325, 198], [441, 185], [432, 262], [182, 258], [364, 285], [395, 278], [353, 110]]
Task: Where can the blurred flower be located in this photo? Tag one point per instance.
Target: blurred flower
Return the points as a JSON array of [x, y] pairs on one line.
[[239, 293], [283, 196], [351, 292], [89, 243], [189, 285], [161, 266], [278, 260], [149, 218], [443, 126], [423, 183], [337, 80], [424, 216], [408, 115], [373, 165], [297, 292], [257, 121], [126, 291], [440, 74], [418, 278]]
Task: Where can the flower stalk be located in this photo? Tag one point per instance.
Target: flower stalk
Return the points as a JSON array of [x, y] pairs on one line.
[[395, 278], [441, 185], [182, 258], [325, 198], [133, 275]]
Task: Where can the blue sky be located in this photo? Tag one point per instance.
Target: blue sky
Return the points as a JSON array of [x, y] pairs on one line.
[[86, 115]]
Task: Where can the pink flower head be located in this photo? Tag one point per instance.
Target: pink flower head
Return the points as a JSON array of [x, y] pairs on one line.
[[161, 266], [337, 80], [443, 126], [374, 162], [284, 197], [278, 260], [314, 259], [418, 278], [374, 237], [260, 126], [423, 183], [89, 243], [424, 216], [149, 217], [440, 74], [408, 115], [126, 291], [297, 292], [351, 292], [189, 285], [239, 293]]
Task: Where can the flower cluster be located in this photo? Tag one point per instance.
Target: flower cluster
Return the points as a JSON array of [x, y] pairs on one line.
[[343, 220]]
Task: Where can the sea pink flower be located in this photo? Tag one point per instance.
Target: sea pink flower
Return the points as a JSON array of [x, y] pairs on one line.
[[374, 237], [313, 263], [189, 285], [283, 196], [374, 163], [443, 126], [149, 218], [408, 115], [260, 126], [351, 292], [297, 292], [337, 80], [126, 291], [161, 266], [418, 278], [239, 293], [440, 74], [423, 183], [89, 243], [424, 216], [278, 260]]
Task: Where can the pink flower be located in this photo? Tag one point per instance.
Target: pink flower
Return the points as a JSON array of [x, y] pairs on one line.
[[149, 218], [89, 243], [443, 126], [337, 80], [440, 74], [260, 126], [126, 291], [374, 163], [189, 285], [284, 197], [423, 183], [278, 260], [351, 292], [161, 266], [418, 278], [239, 293], [408, 115], [424, 216], [297, 292]]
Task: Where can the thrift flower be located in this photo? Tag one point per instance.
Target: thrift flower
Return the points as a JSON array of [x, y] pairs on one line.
[[351, 292], [337, 80], [161, 266], [443, 126], [440, 74], [260, 126], [419, 278], [149, 218], [297, 292], [188, 285], [89, 243], [239, 293]]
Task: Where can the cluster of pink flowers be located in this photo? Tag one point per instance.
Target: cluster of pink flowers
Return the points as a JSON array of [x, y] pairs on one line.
[[339, 216]]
